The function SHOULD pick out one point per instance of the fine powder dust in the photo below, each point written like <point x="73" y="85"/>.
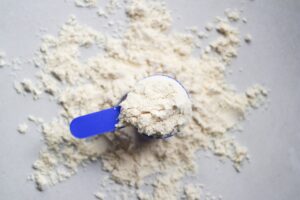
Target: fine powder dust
<point x="148" y="46"/>
<point x="157" y="106"/>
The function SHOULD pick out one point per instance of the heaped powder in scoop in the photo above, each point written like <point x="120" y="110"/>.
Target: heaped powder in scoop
<point x="156" y="106"/>
<point x="148" y="46"/>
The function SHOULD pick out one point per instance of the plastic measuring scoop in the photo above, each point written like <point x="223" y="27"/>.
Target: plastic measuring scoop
<point x="104" y="121"/>
<point x="95" y="123"/>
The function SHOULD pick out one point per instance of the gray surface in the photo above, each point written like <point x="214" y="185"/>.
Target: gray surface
<point x="272" y="136"/>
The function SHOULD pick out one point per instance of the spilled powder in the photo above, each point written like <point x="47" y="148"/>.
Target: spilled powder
<point x="147" y="47"/>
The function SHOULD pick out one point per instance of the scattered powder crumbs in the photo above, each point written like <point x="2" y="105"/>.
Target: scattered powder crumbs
<point x="2" y="59"/>
<point x="109" y="9"/>
<point x="233" y="15"/>
<point x="86" y="3"/>
<point x="110" y="23"/>
<point x="101" y="13"/>
<point x="22" y="128"/>
<point x="256" y="95"/>
<point x="193" y="29"/>
<point x="191" y="192"/>
<point x="31" y="118"/>
<point x="143" y="196"/>
<point x="27" y="86"/>
<point x="36" y="120"/>
<point x="112" y="6"/>
<point x="99" y="196"/>
<point x="201" y="35"/>
<point x="226" y="45"/>
<point x="209" y="27"/>
<point x="148" y="46"/>
<point x="197" y="192"/>
<point x="248" y="38"/>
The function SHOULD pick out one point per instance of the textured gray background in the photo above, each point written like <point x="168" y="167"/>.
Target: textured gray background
<point x="272" y="135"/>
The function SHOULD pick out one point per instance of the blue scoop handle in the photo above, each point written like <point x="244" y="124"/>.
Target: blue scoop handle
<point x="95" y="123"/>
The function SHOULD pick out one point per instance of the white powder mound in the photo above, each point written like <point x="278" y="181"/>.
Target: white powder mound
<point x="148" y="46"/>
<point x="156" y="106"/>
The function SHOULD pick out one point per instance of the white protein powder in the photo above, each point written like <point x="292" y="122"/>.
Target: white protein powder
<point x="157" y="106"/>
<point x="147" y="46"/>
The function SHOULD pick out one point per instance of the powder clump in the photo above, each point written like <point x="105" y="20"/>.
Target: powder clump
<point x="248" y="38"/>
<point x="23" y="128"/>
<point x="86" y="3"/>
<point x="233" y="15"/>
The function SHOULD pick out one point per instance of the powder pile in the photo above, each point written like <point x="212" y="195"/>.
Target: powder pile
<point x="157" y="106"/>
<point x="148" y="46"/>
